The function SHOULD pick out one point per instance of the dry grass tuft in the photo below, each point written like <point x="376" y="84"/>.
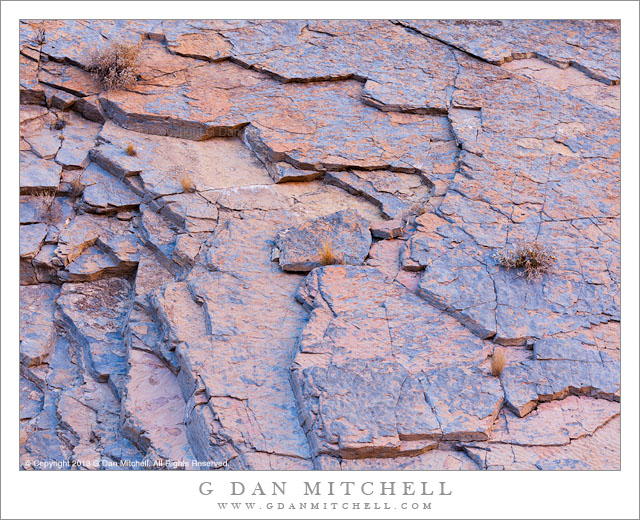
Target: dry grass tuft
<point x="48" y="209"/>
<point x="59" y="124"/>
<point x="497" y="361"/>
<point x="532" y="258"/>
<point x="76" y="187"/>
<point x="115" y="67"/>
<point x="414" y="211"/>
<point x="41" y="36"/>
<point x="131" y="150"/>
<point x="187" y="183"/>
<point x="328" y="255"/>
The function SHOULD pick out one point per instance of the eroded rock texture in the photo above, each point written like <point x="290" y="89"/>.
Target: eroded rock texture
<point x="278" y="249"/>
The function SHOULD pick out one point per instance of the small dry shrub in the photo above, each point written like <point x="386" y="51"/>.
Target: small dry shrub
<point x="48" y="209"/>
<point x="187" y="183"/>
<point x="413" y="211"/>
<point x="328" y="255"/>
<point x="115" y="67"/>
<point x="131" y="150"/>
<point x="77" y="187"/>
<point x="59" y="124"/>
<point x="497" y="361"/>
<point x="41" y="36"/>
<point x="532" y="258"/>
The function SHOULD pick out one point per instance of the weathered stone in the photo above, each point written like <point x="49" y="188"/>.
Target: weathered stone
<point x="590" y="451"/>
<point x="529" y="382"/>
<point x="430" y="460"/>
<point x="31" y="399"/>
<point x="45" y="143"/>
<point x="153" y="408"/>
<point x="240" y="130"/>
<point x="93" y="312"/>
<point x="30" y="210"/>
<point x="566" y="350"/>
<point x="45" y="270"/>
<point x="38" y="174"/>
<point x="305" y="142"/>
<point x="282" y="172"/>
<point x="191" y="211"/>
<point x="336" y="346"/>
<point x="86" y="230"/>
<point x="344" y="234"/>
<point x="92" y="264"/>
<point x="163" y="163"/>
<point x="355" y="405"/>
<point x="157" y="234"/>
<point x="556" y="422"/>
<point x="68" y="78"/>
<point x="251" y="404"/>
<point x="388" y="229"/>
<point x="31" y="92"/>
<point x="462" y="275"/>
<point x="465" y="401"/>
<point x="570" y="80"/>
<point x="31" y="238"/>
<point x="590" y="45"/>
<point x="37" y="328"/>
<point x="79" y="135"/>
<point x="103" y="193"/>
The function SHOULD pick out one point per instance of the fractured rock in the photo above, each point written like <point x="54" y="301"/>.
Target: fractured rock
<point x="94" y="313"/>
<point x="529" y="382"/>
<point x="38" y="174"/>
<point x="358" y="327"/>
<point x="103" y="193"/>
<point x="248" y="137"/>
<point x="31" y="238"/>
<point x="37" y="328"/>
<point x="465" y="402"/>
<point x="591" y="45"/>
<point x="345" y="234"/>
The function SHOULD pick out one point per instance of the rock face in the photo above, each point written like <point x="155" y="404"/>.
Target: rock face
<point x="343" y="237"/>
<point x="177" y="309"/>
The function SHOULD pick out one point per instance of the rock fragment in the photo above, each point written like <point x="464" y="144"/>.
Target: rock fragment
<point x="344" y="235"/>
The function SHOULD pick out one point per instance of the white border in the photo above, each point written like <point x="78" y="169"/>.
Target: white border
<point x="174" y="494"/>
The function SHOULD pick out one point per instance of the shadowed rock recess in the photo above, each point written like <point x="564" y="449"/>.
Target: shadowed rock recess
<point x="277" y="249"/>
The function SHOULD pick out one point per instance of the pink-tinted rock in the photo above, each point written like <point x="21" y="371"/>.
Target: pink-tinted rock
<point x="344" y="236"/>
<point x="590" y="45"/>
<point x="38" y="174"/>
<point x="176" y="334"/>
<point x="37" y="331"/>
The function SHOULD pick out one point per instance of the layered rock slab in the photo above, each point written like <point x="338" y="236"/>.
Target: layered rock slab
<point x="94" y="313"/>
<point x="343" y="236"/>
<point x="385" y="389"/>
<point x="591" y="45"/>
<point x="537" y="190"/>
<point x="519" y="172"/>
<point x="579" y="434"/>
<point x="37" y="328"/>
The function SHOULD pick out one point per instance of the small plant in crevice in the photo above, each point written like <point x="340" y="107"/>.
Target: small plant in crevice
<point x="412" y="212"/>
<point x="59" y="124"/>
<point x="40" y="37"/>
<point x="497" y="361"/>
<point x="328" y="255"/>
<point x="187" y="183"/>
<point x="131" y="150"/>
<point x="48" y="209"/>
<point x="76" y="187"/>
<point x="531" y="258"/>
<point x="115" y="67"/>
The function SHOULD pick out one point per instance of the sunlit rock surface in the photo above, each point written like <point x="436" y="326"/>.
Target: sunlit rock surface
<point x="175" y="306"/>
